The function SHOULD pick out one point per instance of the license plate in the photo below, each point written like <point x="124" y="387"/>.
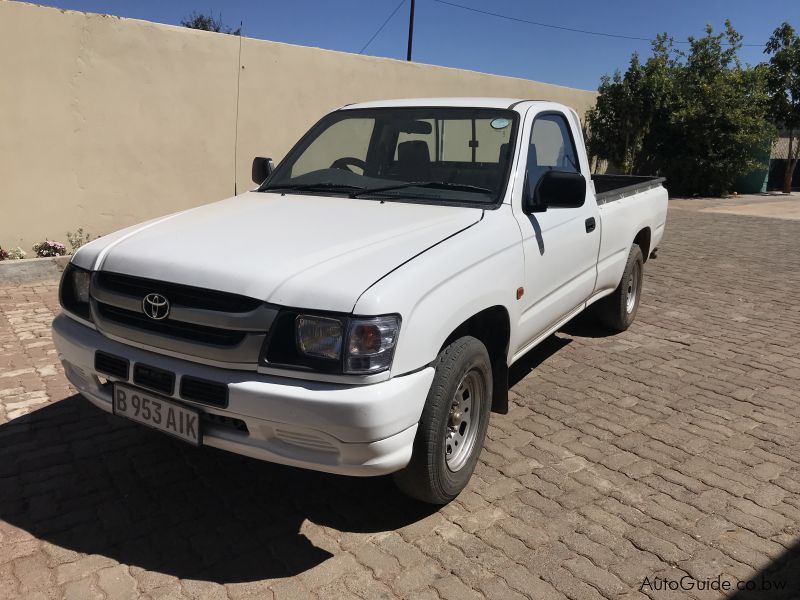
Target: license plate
<point x="157" y="412"/>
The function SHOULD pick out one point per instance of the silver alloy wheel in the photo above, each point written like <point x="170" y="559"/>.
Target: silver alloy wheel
<point x="633" y="287"/>
<point x="462" y="425"/>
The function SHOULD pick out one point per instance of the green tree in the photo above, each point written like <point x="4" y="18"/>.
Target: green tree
<point x="719" y="117"/>
<point x="209" y="23"/>
<point x="627" y="107"/>
<point x="783" y="84"/>
<point x="695" y="117"/>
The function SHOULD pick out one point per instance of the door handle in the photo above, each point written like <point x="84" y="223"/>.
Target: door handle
<point x="590" y="224"/>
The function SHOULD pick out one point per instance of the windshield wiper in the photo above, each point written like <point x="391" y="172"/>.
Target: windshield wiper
<point x="357" y="190"/>
<point x="311" y="187"/>
<point x="442" y="185"/>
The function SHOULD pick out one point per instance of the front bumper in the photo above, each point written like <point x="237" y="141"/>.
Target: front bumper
<point x="347" y="429"/>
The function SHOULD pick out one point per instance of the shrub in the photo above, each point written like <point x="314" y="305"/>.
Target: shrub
<point x="49" y="248"/>
<point x="77" y="239"/>
<point x="694" y="117"/>
<point x="209" y="23"/>
<point x="12" y="254"/>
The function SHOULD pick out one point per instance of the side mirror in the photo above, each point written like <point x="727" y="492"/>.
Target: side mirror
<point x="262" y="168"/>
<point x="555" y="189"/>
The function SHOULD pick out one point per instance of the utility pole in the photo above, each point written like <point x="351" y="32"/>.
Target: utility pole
<point x="410" y="31"/>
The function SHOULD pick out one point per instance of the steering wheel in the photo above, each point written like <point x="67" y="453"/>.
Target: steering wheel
<point x="345" y="162"/>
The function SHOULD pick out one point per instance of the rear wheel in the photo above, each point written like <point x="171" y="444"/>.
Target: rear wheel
<point x="453" y="424"/>
<point x="618" y="310"/>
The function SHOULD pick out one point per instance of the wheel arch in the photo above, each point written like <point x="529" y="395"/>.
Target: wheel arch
<point x="642" y="239"/>
<point x="492" y="326"/>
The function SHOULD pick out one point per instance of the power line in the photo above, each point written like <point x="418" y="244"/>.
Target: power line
<point x="389" y="18"/>
<point x="561" y="27"/>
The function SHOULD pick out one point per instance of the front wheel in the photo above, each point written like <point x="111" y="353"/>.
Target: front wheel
<point x="453" y="424"/>
<point x="618" y="310"/>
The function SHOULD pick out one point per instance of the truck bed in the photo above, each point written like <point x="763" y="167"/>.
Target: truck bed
<point x="613" y="187"/>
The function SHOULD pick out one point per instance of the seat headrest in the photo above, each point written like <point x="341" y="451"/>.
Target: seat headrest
<point x="415" y="151"/>
<point x="413" y="161"/>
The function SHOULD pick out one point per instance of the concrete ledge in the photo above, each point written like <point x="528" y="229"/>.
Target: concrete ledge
<point x="32" y="270"/>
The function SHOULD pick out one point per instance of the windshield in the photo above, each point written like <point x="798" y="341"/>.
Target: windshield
<point x="437" y="154"/>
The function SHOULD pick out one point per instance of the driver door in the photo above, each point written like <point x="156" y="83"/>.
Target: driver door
<point x="560" y="244"/>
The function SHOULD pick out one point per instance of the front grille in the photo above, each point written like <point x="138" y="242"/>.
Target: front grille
<point x="154" y="378"/>
<point x="111" y="365"/>
<point x="183" y="295"/>
<point x="206" y="324"/>
<point x="204" y="391"/>
<point x="178" y="329"/>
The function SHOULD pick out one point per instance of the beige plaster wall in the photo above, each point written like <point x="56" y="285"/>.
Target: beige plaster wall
<point x="105" y="122"/>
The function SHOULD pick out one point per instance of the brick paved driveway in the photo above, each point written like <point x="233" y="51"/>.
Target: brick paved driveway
<point x="670" y="450"/>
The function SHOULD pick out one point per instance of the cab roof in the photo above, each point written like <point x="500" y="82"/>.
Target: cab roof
<point x="466" y="102"/>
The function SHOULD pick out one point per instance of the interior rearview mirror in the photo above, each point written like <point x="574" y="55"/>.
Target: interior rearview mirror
<point x="419" y="127"/>
<point x="262" y="168"/>
<point x="555" y="189"/>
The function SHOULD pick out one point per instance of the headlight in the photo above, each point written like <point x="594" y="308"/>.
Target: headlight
<point x="74" y="291"/>
<point x="319" y="337"/>
<point x="359" y="346"/>
<point x="370" y="344"/>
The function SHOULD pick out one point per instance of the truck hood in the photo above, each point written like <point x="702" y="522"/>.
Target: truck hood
<point x="293" y="250"/>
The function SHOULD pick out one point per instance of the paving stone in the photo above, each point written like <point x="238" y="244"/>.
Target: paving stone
<point x="416" y="578"/>
<point x="339" y="589"/>
<point x="82" y="589"/>
<point x="290" y="590"/>
<point x="452" y="588"/>
<point x="11" y="550"/>
<point x="249" y="590"/>
<point x="595" y="576"/>
<point x="81" y="568"/>
<point x="364" y="585"/>
<point x="117" y="582"/>
<point x="33" y="572"/>
<point x="329" y="570"/>
<point x="9" y="584"/>
<point x="198" y="590"/>
<point x="406" y="554"/>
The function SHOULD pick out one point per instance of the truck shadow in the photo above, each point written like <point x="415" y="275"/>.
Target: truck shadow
<point x="534" y="357"/>
<point x="778" y="580"/>
<point x="586" y="325"/>
<point x="583" y="325"/>
<point x="87" y="481"/>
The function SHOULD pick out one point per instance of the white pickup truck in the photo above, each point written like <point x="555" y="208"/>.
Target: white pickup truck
<point x="357" y="313"/>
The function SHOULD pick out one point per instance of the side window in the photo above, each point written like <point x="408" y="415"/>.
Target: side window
<point x="551" y="148"/>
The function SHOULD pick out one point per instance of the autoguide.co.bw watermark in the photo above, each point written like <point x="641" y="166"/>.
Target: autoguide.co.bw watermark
<point x="688" y="583"/>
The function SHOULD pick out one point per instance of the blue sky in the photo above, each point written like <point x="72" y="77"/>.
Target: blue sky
<point x="453" y="37"/>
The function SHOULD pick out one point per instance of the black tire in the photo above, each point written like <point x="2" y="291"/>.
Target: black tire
<point x="462" y="365"/>
<point x="614" y="311"/>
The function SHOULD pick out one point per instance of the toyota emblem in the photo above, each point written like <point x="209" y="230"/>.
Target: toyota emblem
<point x="155" y="306"/>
